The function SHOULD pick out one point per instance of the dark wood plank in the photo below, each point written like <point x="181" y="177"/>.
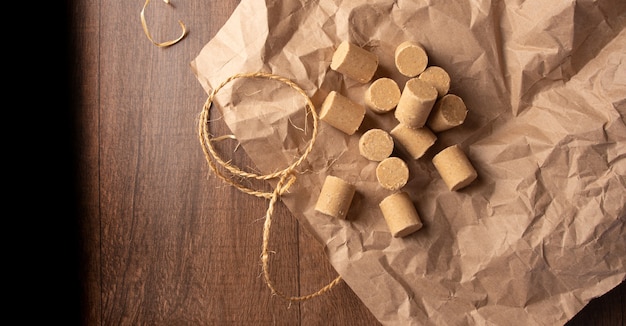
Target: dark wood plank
<point x="163" y="242"/>
<point x="178" y="247"/>
<point x="84" y="89"/>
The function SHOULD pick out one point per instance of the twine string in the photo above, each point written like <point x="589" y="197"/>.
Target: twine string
<point x="265" y="254"/>
<point x="144" y="24"/>
<point x="286" y="177"/>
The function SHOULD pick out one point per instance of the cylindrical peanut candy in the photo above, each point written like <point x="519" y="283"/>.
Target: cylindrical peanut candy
<point x="438" y="78"/>
<point x="392" y="173"/>
<point x="382" y="95"/>
<point x="375" y="145"/>
<point x="415" y="103"/>
<point x="342" y="113"/>
<point x="400" y="214"/>
<point x="455" y="168"/>
<point x="335" y="197"/>
<point x="411" y="59"/>
<point x="448" y="112"/>
<point x="415" y="141"/>
<point x="354" y="62"/>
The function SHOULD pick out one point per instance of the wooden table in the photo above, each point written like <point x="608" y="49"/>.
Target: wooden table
<point x="161" y="241"/>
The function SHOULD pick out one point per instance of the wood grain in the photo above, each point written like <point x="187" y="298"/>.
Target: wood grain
<point x="162" y="241"/>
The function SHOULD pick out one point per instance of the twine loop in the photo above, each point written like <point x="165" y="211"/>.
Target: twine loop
<point x="144" y="24"/>
<point x="286" y="177"/>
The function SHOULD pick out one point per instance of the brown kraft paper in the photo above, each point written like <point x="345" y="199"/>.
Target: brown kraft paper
<point x="537" y="235"/>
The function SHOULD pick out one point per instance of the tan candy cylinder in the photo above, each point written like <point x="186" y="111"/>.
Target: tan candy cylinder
<point x="448" y="112"/>
<point x="438" y="78"/>
<point x="341" y="113"/>
<point x="382" y="95"/>
<point x="416" y="102"/>
<point x="411" y="59"/>
<point x="354" y="62"/>
<point x="335" y="197"/>
<point x="400" y="214"/>
<point x="376" y="145"/>
<point x="454" y="167"/>
<point x="415" y="141"/>
<point x="392" y="173"/>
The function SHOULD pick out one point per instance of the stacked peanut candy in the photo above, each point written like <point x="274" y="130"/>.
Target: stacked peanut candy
<point x="424" y="107"/>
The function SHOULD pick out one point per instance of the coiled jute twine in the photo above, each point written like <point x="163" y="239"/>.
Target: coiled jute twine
<point x="286" y="177"/>
<point x="144" y="24"/>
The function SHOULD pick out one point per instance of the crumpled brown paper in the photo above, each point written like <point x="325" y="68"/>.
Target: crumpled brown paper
<point x="539" y="234"/>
